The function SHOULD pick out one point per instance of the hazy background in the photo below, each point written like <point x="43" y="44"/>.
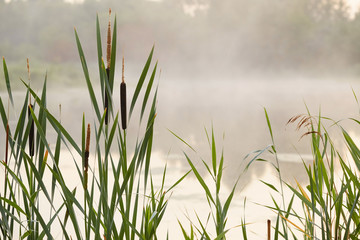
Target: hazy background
<point x="195" y="39"/>
<point x="221" y="62"/>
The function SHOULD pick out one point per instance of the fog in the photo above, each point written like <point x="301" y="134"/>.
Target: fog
<point x="222" y="63"/>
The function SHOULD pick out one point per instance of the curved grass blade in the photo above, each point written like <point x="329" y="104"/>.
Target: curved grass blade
<point x="87" y="77"/>
<point x="113" y="56"/>
<point x="100" y="56"/>
<point x="200" y="179"/>
<point x="141" y="82"/>
<point x="7" y="80"/>
<point x="148" y="90"/>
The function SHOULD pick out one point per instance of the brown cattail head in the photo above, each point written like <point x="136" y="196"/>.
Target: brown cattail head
<point x="31" y="133"/>
<point x="123" y="99"/>
<point x="28" y="69"/>
<point x="123" y="69"/>
<point x="108" y="49"/>
<point x="86" y="156"/>
<point x="108" y="57"/>
<point x="268" y="229"/>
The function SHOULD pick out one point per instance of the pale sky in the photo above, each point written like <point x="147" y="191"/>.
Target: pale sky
<point x="354" y="6"/>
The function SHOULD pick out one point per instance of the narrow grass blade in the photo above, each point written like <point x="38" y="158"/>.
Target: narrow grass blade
<point x="7" y="80"/>
<point x="141" y="82"/>
<point x="87" y="77"/>
<point x="148" y="90"/>
<point x="200" y="179"/>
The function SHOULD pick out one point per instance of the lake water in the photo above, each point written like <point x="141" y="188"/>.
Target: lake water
<point x="235" y="110"/>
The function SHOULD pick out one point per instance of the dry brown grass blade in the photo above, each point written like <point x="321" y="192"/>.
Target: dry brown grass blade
<point x="311" y="132"/>
<point x="293" y="119"/>
<point x="296" y="226"/>
<point x="302" y="119"/>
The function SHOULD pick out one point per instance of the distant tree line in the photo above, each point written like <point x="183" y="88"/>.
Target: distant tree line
<point x="258" y="35"/>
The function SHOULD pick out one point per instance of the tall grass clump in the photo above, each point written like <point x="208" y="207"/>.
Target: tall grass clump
<point x="218" y="209"/>
<point x="118" y="199"/>
<point x="330" y="199"/>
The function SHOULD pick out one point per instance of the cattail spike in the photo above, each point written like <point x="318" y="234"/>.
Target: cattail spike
<point x="31" y="133"/>
<point x="86" y="156"/>
<point x="87" y="145"/>
<point x="123" y="99"/>
<point x="108" y="50"/>
<point x="123" y="67"/>
<point x="268" y="229"/>
<point x="106" y="100"/>
<point x="28" y="69"/>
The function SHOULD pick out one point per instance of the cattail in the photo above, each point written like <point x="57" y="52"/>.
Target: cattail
<point x="123" y="98"/>
<point x="31" y="133"/>
<point x="268" y="229"/>
<point x="108" y="57"/>
<point x="108" y="49"/>
<point x="86" y="156"/>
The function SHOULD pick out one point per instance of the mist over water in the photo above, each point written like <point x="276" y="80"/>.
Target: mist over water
<point x="222" y="63"/>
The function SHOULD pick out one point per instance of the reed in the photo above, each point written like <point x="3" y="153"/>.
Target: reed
<point x="86" y="157"/>
<point x="120" y="199"/>
<point x="108" y="60"/>
<point x="218" y="210"/>
<point x="119" y="193"/>
<point x="123" y="98"/>
<point x="330" y="199"/>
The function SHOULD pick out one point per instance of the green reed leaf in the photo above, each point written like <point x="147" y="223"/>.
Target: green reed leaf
<point x="7" y="80"/>
<point x="148" y="90"/>
<point x="141" y="82"/>
<point x="200" y="179"/>
<point x="87" y="77"/>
